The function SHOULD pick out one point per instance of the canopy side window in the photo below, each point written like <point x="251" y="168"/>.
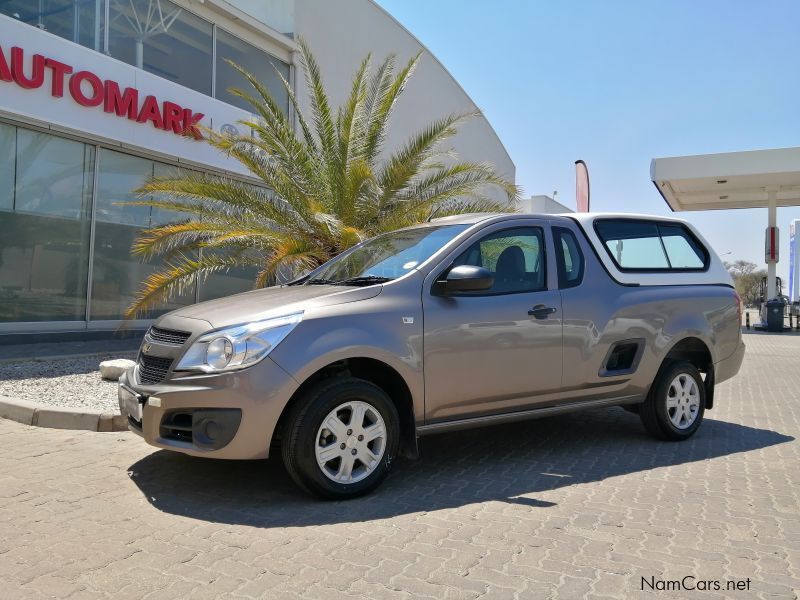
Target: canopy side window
<point x="643" y="245"/>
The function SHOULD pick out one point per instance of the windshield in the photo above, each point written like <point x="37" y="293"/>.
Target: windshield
<point x="387" y="256"/>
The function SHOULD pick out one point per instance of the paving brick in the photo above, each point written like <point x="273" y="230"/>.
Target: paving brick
<point x="580" y="505"/>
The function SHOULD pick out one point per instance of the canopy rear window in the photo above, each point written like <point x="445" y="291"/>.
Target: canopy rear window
<point x="640" y="245"/>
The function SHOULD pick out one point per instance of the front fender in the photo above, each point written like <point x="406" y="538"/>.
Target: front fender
<point x="378" y="331"/>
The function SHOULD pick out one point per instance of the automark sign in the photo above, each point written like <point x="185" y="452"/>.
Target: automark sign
<point x="88" y="89"/>
<point x="75" y="90"/>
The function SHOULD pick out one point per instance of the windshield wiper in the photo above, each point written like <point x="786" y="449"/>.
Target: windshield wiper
<point x="319" y="281"/>
<point x="364" y="280"/>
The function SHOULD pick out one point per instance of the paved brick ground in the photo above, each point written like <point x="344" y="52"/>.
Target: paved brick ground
<point x="575" y="506"/>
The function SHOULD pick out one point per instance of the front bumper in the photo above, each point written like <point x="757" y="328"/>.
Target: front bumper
<point x="231" y="415"/>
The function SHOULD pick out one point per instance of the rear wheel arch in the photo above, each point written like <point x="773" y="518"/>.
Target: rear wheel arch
<point x="376" y="372"/>
<point x="694" y="350"/>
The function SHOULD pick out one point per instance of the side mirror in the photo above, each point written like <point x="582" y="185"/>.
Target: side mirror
<point x="467" y="278"/>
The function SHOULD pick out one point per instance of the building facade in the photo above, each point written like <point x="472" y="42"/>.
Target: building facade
<point x="543" y="204"/>
<point x="98" y="95"/>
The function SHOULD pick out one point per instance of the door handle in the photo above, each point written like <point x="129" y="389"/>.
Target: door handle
<point x="540" y="311"/>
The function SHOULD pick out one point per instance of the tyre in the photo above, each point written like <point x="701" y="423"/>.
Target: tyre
<point x="341" y="438"/>
<point x="675" y="405"/>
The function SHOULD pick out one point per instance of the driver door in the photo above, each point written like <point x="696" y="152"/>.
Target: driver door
<point x="494" y="351"/>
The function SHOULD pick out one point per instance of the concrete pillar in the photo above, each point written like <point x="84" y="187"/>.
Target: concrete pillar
<point x="140" y="53"/>
<point x="772" y="218"/>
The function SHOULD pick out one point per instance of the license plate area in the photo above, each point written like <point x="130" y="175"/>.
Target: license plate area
<point x="130" y="402"/>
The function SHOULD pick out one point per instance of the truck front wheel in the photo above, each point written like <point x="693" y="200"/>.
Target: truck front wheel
<point x="341" y="438"/>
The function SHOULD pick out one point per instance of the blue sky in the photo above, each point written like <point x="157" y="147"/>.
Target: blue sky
<point x="617" y="83"/>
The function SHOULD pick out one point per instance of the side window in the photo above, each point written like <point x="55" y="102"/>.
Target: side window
<point x="649" y="245"/>
<point x="569" y="258"/>
<point x="633" y="244"/>
<point x="514" y="256"/>
<point x="683" y="252"/>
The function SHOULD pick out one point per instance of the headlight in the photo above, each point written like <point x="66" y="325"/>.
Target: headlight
<point x="237" y="347"/>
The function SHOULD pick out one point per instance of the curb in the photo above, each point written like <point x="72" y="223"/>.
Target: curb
<point x="53" y="417"/>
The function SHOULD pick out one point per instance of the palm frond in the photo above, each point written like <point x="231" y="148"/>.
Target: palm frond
<point x="175" y="278"/>
<point x="180" y="237"/>
<point x="386" y="95"/>
<point x="325" y="183"/>
<point x="308" y="136"/>
<point x="225" y="195"/>
<point x="290" y="256"/>
<point x="405" y="164"/>
<point x="320" y="107"/>
<point x="453" y="181"/>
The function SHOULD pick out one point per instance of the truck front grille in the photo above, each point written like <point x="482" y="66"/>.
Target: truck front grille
<point x="168" y="336"/>
<point x="153" y="369"/>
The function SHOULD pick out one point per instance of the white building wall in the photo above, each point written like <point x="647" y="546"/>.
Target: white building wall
<point x="342" y="33"/>
<point x="543" y="204"/>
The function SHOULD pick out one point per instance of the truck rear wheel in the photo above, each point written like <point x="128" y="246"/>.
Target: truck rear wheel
<point x="675" y="405"/>
<point x="341" y="438"/>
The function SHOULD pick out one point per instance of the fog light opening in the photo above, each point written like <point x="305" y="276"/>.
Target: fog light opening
<point x="211" y="429"/>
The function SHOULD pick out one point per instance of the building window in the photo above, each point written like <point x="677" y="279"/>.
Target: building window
<point x="226" y="283"/>
<point x="159" y="37"/>
<point x="266" y="69"/>
<point x="46" y="197"/>
<point x="116" y="274"/>
<point x="44" y="226"/>
<point x="79" y="21"/>
<point x="8" y="154"/>
<point x="164" y="39"/>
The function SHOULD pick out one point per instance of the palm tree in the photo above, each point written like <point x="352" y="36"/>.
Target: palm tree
<point x="324" y="187"/>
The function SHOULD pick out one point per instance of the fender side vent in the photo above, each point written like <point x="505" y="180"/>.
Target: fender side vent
<point x="623" y="358"/>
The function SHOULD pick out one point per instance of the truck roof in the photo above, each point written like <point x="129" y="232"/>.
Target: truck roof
<point x="714" y="273"/>
<point x="472" y="218"/>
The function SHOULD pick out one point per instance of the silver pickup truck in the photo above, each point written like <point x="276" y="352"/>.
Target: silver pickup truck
<point x="461" y="322"/>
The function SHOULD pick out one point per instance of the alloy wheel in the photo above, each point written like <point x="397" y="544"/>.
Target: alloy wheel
<point x="350" y="442"/>
<point x="683" y="401"/>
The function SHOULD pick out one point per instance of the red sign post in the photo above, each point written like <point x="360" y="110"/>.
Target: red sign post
<point x="771" y="240"/>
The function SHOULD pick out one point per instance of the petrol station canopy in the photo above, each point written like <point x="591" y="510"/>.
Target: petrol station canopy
<point x="750" y="179"/>
<point x="729" y="180"/>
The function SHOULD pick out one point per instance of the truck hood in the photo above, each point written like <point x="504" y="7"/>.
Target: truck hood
<point x="273" y="301"/>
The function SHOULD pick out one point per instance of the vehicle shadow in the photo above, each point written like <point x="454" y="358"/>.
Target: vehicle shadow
<point x="507" y="463"/>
